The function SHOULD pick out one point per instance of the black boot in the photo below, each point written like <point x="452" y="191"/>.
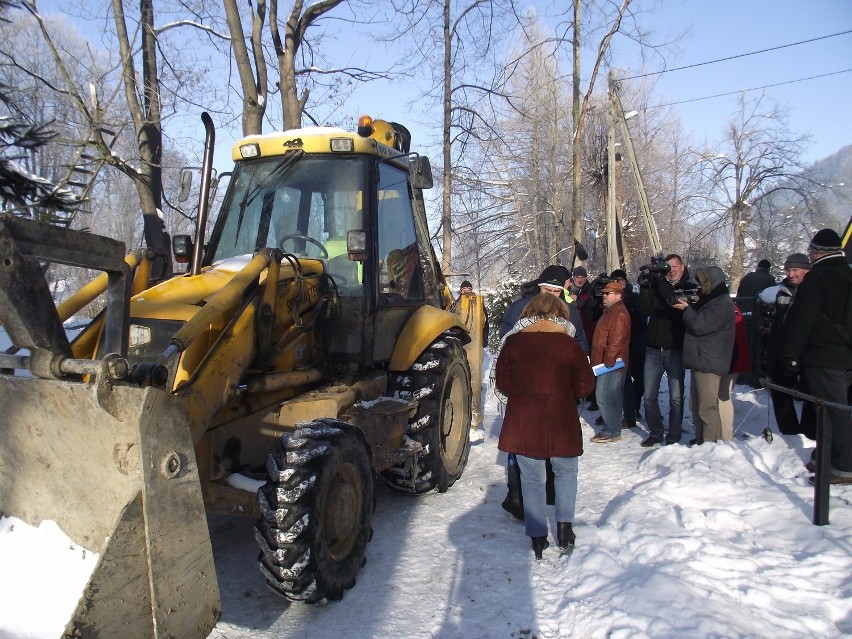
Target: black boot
<point x="514" y="505"/>
<point x="565" y="536"/>
<point x="538" y="545"/>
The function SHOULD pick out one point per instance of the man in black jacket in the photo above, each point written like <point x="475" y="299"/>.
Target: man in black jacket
<point x="796" y="266"/>
<point x="756" y="281"/>
<point x="558" y="275"/>
<point x="817" y="341"/>
<point x="664" y="345"/>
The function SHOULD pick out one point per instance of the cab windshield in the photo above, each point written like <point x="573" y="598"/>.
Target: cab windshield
<point x="300" y="203"/>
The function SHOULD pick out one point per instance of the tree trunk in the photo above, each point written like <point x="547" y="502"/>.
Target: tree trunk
<point x="149" y="135"/>
<point x="738" y="228"/>
<point x="254" y="90"/>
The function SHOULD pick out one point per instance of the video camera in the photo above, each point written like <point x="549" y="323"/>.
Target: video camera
<point x="657" y="269"/>
<point x="683" y="292"/>
<point x="658" y="265"/>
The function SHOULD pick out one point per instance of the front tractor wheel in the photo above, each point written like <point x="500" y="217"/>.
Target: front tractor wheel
<point x="317" y="512"/>
<point x="440" y="382"/>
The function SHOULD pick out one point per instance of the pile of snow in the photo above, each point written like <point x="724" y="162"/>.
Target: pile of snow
<point x="43" y="576"/>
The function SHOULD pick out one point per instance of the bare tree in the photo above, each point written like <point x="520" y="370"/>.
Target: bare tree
<point x="289" y="44"/>
<point x="758" y="157"/>
<point x="62" y="74"/>
<point x="581" y="104"/>
<point x="251" y="69"/>
<point x="457" y="47"/>
<point x="24" y="134"/>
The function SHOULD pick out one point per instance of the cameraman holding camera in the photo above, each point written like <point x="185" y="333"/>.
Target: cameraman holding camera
<point x="707" y="350"/>
<point x="661" y="283"/>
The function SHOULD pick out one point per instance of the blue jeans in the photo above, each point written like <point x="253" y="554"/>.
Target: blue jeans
<point x="533" y="477"/>
<point x="609" y="393"/>
<point x="658" y="361"/>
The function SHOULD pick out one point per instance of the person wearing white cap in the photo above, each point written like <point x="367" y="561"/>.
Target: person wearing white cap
<point x="552" y="281"/>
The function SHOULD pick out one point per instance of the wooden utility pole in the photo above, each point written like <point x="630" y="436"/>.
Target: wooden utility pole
<point x="612" y="261"/>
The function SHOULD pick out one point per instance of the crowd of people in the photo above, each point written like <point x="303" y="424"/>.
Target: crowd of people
<point x="567" y="341"/>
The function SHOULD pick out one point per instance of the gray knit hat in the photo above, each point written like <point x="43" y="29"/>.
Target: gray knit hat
<point x="797" y="260"/>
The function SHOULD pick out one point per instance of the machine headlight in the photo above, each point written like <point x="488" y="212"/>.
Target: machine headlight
<point x="342" y="145"/>
<point x="248" y="151"/>
<point x="139" y="335"/>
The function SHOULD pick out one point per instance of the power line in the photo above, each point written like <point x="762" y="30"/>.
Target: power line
<point x="734" y="57"/>
<point x="767" y="86"/>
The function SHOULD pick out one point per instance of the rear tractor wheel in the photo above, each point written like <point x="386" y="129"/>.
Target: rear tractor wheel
<point x="440" y="382"/>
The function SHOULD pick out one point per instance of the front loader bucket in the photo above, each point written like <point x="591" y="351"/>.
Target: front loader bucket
<point x="114" y="467"/>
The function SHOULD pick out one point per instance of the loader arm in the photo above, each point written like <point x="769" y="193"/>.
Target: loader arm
<point x="111" y="463"/>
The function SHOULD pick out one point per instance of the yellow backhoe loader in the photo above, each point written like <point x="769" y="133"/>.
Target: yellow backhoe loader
<point x="308" y="345"/>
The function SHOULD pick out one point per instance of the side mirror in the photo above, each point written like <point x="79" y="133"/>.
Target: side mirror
<point x="185" y="185"/>
<point x="356" y="245"/>
<point x="182" y="247"/>
<point x="420" y="171"/>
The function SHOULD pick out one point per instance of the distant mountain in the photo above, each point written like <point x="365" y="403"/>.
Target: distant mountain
<point x="835" y="172"/>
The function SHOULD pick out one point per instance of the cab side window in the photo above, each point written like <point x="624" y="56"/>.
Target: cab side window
<point x="399" y="266"/>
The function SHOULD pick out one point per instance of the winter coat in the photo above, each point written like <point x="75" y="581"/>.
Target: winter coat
<point x="783" y="300"/>
<point x="542" y="371"/>
<point x="513" y="313"/>
<point x="665" y="324"/>
<point x="638" y="322"/>
<point x="585" y="304"/>
<point x="710" y="328"/>
<point x="612" y="336"/>
<point x="810" y="336"/>
<point x="755" y="282"/>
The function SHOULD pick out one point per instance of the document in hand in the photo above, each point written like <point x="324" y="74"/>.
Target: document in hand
<point x="600" y="369"/>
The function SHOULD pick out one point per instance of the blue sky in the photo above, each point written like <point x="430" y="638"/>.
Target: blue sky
<point x="713" y="29"/>
<point x="725" y="28"/>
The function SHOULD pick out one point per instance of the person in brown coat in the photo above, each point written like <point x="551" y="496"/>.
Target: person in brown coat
<point x="542" y="371"/>
<point x="610" y="343"/>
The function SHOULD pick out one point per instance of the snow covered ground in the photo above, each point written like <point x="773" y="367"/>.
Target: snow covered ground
<point x="675" y="542"/>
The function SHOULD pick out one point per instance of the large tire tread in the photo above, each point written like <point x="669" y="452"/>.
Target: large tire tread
<point x="304" y="557"/>
<point x="438" y="371"/>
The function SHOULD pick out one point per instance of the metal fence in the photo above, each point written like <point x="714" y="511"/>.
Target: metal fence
<point x="823" y="449"/>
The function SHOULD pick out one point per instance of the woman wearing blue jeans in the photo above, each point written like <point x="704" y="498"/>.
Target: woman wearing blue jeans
<point x="542" y="371"/>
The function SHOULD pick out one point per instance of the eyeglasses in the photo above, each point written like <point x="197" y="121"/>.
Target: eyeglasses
<point x="610" y="293"/>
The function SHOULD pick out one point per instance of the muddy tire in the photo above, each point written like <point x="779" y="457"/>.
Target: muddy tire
<point x="440" y="381"/>
<point x="317" y="512"/>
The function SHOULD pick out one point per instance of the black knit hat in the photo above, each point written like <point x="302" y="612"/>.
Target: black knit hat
<point x="465" y="284"/>
<point x="618" y="274"/>
<point x="764" y="264"/>
<point x="797" y="260"/>
<point x="825" y="241"/>
<point x="553" y="273"/>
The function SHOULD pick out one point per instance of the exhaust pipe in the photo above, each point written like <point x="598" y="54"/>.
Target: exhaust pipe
<point x="204" y="196"/>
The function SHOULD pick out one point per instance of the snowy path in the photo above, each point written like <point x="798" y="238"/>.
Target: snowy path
<point x="713" y="541"/>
